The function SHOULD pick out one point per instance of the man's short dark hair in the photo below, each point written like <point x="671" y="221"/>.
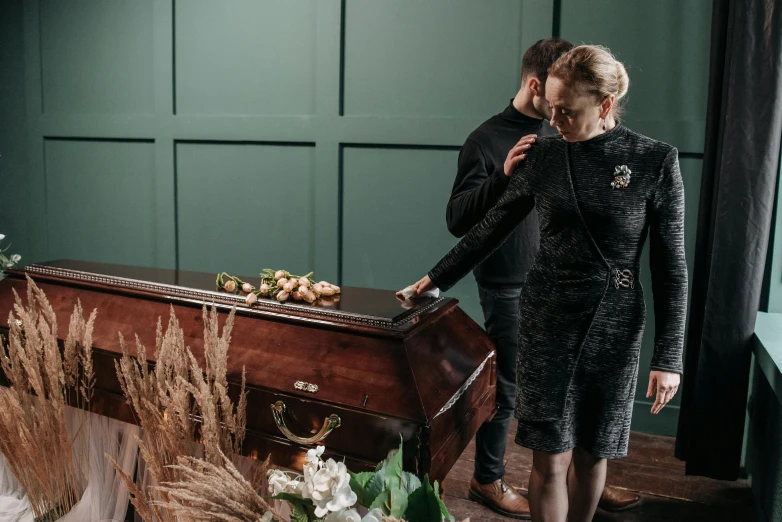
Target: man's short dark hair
<point x="541" y="56"/>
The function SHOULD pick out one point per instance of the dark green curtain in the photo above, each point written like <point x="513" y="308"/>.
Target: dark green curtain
<point x="741" y="159"/>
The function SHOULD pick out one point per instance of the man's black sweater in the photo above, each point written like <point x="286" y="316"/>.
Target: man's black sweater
<point x="480" y="181"/>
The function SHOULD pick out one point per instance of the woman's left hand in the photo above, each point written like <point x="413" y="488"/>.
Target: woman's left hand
<point x="665" y="384"/>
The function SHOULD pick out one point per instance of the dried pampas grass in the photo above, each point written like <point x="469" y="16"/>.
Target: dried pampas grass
<point x="167" y="401"/>
<point x="215" y="491"/>
<point x="50" y="463"/>
<point x="163" y="409"/>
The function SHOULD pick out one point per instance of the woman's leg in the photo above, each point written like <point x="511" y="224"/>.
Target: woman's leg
<point x="586" y="479"/>
<point x="548" y="490"/>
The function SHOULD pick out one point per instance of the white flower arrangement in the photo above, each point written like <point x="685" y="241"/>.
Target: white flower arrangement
<point x="327" y="492"/>
<point x="7" y="261"/>
<point x="326" y="484"/>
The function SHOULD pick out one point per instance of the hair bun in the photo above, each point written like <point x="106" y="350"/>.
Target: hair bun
<point x="622" y="80"/>
<point x="594" y="70"/>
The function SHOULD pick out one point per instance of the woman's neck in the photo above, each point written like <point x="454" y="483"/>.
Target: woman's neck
<point x="610" y="123"/>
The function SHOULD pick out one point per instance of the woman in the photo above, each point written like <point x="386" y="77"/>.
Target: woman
<point x="599" y="189"/>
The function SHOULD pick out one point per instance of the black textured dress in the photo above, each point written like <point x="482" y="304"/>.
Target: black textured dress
<point x="582" y="310"/>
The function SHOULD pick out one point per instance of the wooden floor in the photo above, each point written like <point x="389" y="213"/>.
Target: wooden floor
<point x="649" y="469"/>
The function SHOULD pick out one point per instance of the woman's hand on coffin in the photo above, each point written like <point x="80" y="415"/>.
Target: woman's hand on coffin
<point x="518" y="153"/>
<point x="415" y="290"/>
<point x="665" y="385"/>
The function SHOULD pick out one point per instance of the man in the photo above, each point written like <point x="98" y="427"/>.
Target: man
<point x="486" y="162"/>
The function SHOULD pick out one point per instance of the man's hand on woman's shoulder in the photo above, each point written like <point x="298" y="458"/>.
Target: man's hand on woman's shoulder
<point x="518" y="153"/>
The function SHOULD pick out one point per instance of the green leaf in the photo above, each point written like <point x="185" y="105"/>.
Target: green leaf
<point x="358" y="483"/>
<point x="362" y="478"/>
<point x="393" y="478"/>
<point x="410" y="482"/>
<point x="299" y="515"/>
<point x="303" y="506"/>
<point x="443" y="509"/>
<point x="376" y="484"/>
<point x="424" y="504"/>
<point x="392" y="502"/>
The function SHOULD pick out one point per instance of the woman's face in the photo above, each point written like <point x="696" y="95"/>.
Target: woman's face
<point x="575" y="115"/>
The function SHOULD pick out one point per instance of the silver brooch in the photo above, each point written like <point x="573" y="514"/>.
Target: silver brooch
<point x="621" y="177"/>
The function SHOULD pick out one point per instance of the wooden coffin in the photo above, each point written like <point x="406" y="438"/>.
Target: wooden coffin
<point x="425" y="372"/>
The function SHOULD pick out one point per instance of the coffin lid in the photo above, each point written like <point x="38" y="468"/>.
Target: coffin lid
<point x="362" y="350"/>
<point x="355" y="305"/>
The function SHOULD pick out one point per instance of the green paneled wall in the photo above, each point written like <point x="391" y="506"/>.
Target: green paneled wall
<point x="240" y="57"/>
<point x="231" y="198"/>
<point x="99" y="200"/>
<point x="400" y="190"/>
<point x="436" y="59"/>
<point x="664" y="45"/>
<point x="14" y="186"/>
<point x="317" y="134"/>
<point x="96" y="57"/>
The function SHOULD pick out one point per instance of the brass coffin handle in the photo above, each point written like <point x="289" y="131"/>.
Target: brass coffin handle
<point x="329" y="423"/>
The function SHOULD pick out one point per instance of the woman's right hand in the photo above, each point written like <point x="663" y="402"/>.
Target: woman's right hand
<point x="420" y="287"/>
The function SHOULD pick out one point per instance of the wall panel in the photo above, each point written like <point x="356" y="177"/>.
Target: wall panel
<point x="100" y="203"/>
<point x="96" y="57"/>
<point x="245" y="207"/>
<point x="665" y="47"/>
<point x="245" y="57"/>
<point x="394" y="218"/>
<point x="435" y="58"/>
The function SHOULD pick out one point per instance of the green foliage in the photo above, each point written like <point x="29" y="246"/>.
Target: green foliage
<point x="410" y="482"/>
<point x="423" y="504"/>
<point x="399" y="493"/>
<point x="358" y="483"/>
<point x="443" y="510"/>
<point x="393" y="475"/>
<point x="303" y="510"/>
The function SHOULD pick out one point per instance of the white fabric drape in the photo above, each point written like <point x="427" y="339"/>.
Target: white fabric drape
<point x="105" y="499"/>
<point x="13" y="501"/>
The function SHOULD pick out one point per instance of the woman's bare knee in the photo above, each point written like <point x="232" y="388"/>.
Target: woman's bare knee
<point x="552" y="467"/>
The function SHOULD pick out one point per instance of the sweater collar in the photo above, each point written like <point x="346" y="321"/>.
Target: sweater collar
<point x="512" y="114"/>
<point x="606" y="137"/>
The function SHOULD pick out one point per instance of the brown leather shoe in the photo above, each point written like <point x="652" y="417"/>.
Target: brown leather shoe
<point x="615" y="500"/>
<point x="500" y="497"/>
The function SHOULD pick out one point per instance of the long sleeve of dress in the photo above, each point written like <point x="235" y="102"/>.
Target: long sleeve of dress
<point x="476" y="190"/>
<point x="668" y="267"/>
<point x="488" y="235"/>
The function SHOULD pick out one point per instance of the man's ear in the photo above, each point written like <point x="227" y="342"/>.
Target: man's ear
<point x="534" y="85"/>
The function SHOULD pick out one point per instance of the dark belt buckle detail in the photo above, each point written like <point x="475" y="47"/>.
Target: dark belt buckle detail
<point x="623" y="278"/>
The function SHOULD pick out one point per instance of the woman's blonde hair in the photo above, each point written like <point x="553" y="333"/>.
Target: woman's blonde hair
<point x="593" y="69"/>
